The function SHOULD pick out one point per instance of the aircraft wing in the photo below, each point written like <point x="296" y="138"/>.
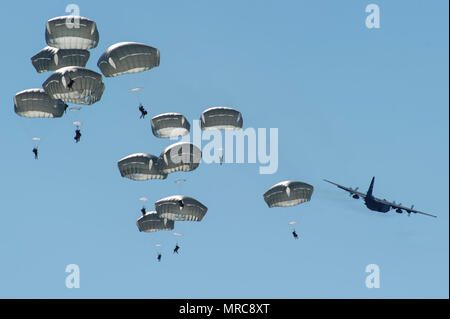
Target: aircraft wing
<point x="406" y="209"/>
<point x="347" y="189"/>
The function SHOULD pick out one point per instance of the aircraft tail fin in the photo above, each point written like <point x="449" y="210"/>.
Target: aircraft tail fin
<point x="370" y="190"/>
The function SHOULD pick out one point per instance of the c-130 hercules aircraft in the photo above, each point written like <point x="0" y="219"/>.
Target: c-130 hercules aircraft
<point x="376" y="204"/>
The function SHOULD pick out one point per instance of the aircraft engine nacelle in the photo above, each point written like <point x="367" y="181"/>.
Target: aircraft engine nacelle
<point x="355" y="196"/>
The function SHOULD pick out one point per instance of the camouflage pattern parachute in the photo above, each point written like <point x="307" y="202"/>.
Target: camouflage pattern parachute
<point x="141" y="167"/>
<point x="71" y="32"/>
<point x="128" y="57"/>
<point x="288" y="193"/>
<point x="221" y="118"/>
<point x="51" y="59"/>
<point x="75" y="85"/>
<point x="180" y="156"/>
<point x="180" y="208"/>
<point x="169" y="125"/>
<point x="151" y="222"/>
<point x="35" y="103"/>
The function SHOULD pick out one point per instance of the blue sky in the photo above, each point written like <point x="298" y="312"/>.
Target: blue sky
<point x="349" y="103"/>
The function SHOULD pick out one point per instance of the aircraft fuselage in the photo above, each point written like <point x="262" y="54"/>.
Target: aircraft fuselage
<point x="375" y="205"/>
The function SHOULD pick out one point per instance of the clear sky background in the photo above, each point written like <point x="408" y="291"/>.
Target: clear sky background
<point x="349" y="102"/>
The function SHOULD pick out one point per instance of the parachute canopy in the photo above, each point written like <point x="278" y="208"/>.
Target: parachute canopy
<point x="128" y="57"/>
<point x="51" y="59"/>
<point x="140" y="167"/>
<point x="180" y="156"/>
<point x="37" y="103"/>
<point x="221" y="118"/>
<point x="170" y="125"/>
<point x="71" y="32"/>
<point x="151" y="222"/>
<point x="288" y="193"/>
<point x="183" y="208"/>
<point x="77" y="123"/>
<point x="74" y="84"/>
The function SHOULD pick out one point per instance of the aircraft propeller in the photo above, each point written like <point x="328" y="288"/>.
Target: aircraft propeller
<point x="409" y="211"/>
<point x="355" y="196"/>
<point x="397" y="210"/>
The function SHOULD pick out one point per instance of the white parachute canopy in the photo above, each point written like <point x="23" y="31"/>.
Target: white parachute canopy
<point x="292" y="223"/>
<point x="157" y="245"/>
<point x="179" y="181"/>
<point x="178" y="234"/>
<point x="135" y="89"/>
<point x="75" y="108"/>
<point x="77" y="123"/>
<point x="143" y="199"/>
<point x="36" y="138"/>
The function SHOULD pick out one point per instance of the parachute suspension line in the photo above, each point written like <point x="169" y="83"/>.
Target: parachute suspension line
<point x="136" y="90"/>
<point x="294" y="222"/>
<point x="139" y="97"/>
<point x="77" y="115"/>
<point x="25" y="129"/>
<point x="34" y="134"/>
<point x="179" y="236"/>
<point x="36" y="146"/>
<point x="180" y="183"/>
<point x="221" y="155"/>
